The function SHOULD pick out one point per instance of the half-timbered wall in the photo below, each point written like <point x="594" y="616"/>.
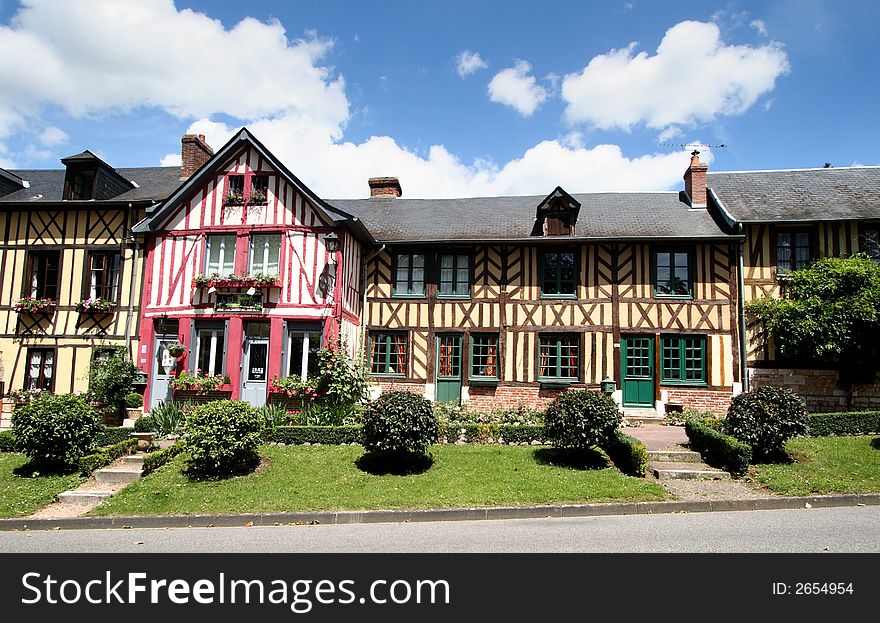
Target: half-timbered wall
<point x="73" y="231"/>
<point x="615" y="296"/>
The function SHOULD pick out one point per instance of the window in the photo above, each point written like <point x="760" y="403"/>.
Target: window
<point x="558" y="357"/>
<point x="259" y="189"/>
<point x="388" y="353"/>
<point x="303" y="345"/>
<point x="43" y="272"/>
<point x="40" y="373"/>
<point x="265" y="249"/>
<point x="484" y="356"/>
<point x="220" y="254"/>
<point x="793" y="250"/>
<point x="455" y="275"/>
<point x="672" y="276"/>
<point x="210" y="350"/>
<point x="103" y="277"/>
<point x="870" y="240"/>
<point x="683" y="359"/>
<point x="559" y="271"/>
<point x="236" y="184"/>
<point x="81" y="185"/>
<point x="104" y="352"/>
<point x="409" y="274"/>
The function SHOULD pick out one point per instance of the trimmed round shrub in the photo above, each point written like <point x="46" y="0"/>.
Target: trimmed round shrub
<point x="222" y="438"/>
<point x="399" y="423"/>
<point x="134" y="400"/>
<point x="145" y="424"/>
<point x="579" y="419"/>
<point x="55" y="430"/>
<point x="765" y="418"/>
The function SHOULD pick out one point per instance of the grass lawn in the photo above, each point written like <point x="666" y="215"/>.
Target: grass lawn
<point x="301" y="478"/>
<point x="21" y="494"/>
<point x="825" y="465"/>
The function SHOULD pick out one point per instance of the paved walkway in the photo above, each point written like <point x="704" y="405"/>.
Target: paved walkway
<point x="658" y="437"/>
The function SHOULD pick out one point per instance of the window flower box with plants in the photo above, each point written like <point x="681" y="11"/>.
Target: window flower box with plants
<point x="31" y="305"/>
<point x="21" y="397"/>
<point x="233" y="199"/>
<point x="200" y="383"/>
<point x="258" y="197"/>
<point x="295" y="387"/>
<point x="257" y="280"/>
<point x="95" y="306"/>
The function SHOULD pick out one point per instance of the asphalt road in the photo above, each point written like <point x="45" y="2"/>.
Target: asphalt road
<point x="847" y="529"/>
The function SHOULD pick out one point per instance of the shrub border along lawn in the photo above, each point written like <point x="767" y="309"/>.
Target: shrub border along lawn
<point x="628" y="453"/>
<point x="7" y="441"/>
<point x="155" y="460"/>
<point x="717" y="449"/>
<point x="99" y="459"/>
<point x="845" y="423"/>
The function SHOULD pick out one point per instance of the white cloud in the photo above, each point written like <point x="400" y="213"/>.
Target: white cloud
<point x="669" y="133"/>
<point x="468" y="62"/>
<point x="52" y="136"/>
<point x="515" y="87"/>
<point x="760" y="26"/>
<point x="694" y="77"/>
<point x="171" y="160"/>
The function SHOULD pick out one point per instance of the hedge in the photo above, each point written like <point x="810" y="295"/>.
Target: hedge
<point x="109" y="435"/>
<point x="324" y="435"/>
<point x="99" y="459"/>
<point x="482" y="433"/>
<point x="717" y="449"/>
<point x="7" y="441"/>
<point x="155" y="460"/>
<point x="628" y="453"/>
<point x="852" y="423"/>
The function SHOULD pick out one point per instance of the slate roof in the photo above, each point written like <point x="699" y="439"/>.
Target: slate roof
<point x="154" y="183"/>
<point x="800" y="194"/>
<point x="612" y="216"/>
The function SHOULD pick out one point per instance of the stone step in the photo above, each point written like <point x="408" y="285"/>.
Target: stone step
<point x="138" y="460"/>
<point x="686" y="471"/>
<point x="674" y="456"/>
<point x="115" y="475"/>
<point x="83" y="497"/>
<point x="642" y="416"/>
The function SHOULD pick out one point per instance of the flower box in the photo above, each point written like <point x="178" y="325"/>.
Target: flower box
<point x="30" y="305"/>
<point x="96" y="306"/>
<point x="237" y="281"/>
<point x="233" y="199"/>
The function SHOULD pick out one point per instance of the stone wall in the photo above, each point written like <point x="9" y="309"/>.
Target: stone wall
<point x="6" y="413"/>
<point x="818" y="388"/>
<point x="510" y="397"/>
<point x="702" y="400"/>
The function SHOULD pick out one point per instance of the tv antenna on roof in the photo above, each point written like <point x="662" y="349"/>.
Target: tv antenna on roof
<point x="695" y="146"/>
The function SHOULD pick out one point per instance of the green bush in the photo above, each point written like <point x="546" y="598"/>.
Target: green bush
<point x="580" y="419"/>
<point x="109" y="435"/>
<point x="324" y="435"/>
<point x="272" y="415"/>
<point x="628" y="453"/>
<point x="717" y="449"/>
<point x="155" y="460"/>
<point x="449" y="412"/>
<point x="145" y="424"/>
<point x="765" y="418"/>
<point x="134" y="400"/>
<point x="222" y="438"/>
<point x="90" y="462"/>
<point x="852" y="423"/>
<point x="399" y="423"/>
<point x="55" y="430"/>
<point x="481" y="433"/>
<point x="170" y="417"/>
<point x="111" y="379"/>
<point x="7" y="441"/>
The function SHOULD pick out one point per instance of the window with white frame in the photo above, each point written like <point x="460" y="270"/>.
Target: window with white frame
<point x="303" y="345"/>
<point x="209" y="350"/>
<point x="220" y="254"/>
<point x="103" y="275"/>
<point x="40" y="371"/>
<point x="265" y="250"/>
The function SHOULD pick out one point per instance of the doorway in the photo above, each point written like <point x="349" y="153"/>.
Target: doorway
<point x="637" y="357"/>
<point x="448" y="367"/>
<point x="255" y="363"/>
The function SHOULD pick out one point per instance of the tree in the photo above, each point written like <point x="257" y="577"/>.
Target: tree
<point x="831" y="314"/>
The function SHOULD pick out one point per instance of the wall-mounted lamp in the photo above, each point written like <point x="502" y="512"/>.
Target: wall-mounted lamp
<point x="251" y="291"/>
<point x="211" y="290"/>
<point x="331" y="242"/>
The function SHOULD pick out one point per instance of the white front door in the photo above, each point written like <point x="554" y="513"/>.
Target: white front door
<point x="255" y="374"/>
<point x="163" y="370"/>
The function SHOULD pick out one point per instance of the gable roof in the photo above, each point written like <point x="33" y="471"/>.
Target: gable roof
<point x="800" y="194"/>
<point x="154" y="220"/>
<point x="603" y="216"/>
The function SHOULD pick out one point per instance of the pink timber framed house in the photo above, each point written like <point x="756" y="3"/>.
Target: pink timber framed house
<point x="248" y="270"/>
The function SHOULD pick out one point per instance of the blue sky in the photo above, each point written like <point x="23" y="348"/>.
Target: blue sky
<point x="571" y="93"/>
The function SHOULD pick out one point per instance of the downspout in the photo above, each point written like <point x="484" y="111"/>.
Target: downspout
<point x="131" y="288"/>
<point x="741" y="288"/>
<point x="364" y="303"/>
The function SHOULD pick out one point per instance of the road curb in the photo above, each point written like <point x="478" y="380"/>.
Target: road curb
<point x="441" y="514"/>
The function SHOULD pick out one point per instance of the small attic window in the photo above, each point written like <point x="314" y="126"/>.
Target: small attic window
<point x="556" y="215"/>
<point x="81" y="184"/>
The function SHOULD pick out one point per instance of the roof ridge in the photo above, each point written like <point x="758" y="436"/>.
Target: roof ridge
<point x="861" y="166"/>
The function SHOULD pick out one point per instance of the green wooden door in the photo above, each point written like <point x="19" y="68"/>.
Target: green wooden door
<point x="448" y="367"/>
<point x="637" y="355"/>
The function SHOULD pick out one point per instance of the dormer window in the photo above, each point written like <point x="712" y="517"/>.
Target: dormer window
<point x="556" y="215"/>
<point x="250" y="189"/>
<point x="82" y="185"/>
<point x="88" y="177"/>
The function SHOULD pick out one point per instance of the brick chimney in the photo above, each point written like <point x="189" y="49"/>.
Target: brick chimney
<point x="385" y="187"/>
<point x="695" y="181"/>
<point x="194" y="152"/>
